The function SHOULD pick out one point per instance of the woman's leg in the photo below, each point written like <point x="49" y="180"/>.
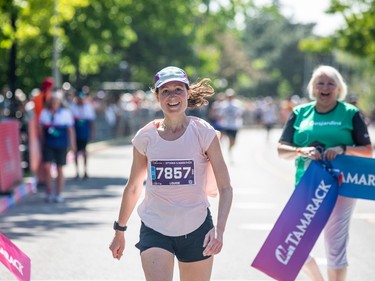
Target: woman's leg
<point x="196" y="271"/>
<point x="48" y="177"/>
<point x="60" y="181"/>
<point x="337" y="274"/>
<point x="157" y="264"/>
<point x="311" y="270"/>
<point x="76" y="154"/>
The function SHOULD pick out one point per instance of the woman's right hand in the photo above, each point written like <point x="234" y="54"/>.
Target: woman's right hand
<point x="213" y="243"/>
<point x="117" y="245"/>
<point x="311" y="152"/>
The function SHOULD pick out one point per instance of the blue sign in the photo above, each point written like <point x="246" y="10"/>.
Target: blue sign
<point x="357" y="176"/>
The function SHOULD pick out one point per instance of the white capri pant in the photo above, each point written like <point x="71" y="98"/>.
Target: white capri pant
<point x="336" y="232"/>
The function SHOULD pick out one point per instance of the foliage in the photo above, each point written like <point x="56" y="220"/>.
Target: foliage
<point x="358" y="37"/>
<point x="353" y="47"/>
<point x="33" y="34"/>
<point x="96" y="39"/>
<point x="165" y="33"/>
<point x="272" y="43"/>
<point x="255" y="50"/>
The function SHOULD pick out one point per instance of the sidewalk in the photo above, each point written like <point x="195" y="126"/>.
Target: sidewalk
<point x="23" y="189"/>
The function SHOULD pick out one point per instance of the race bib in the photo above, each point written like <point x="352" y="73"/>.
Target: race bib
<point x="172" y="172"/>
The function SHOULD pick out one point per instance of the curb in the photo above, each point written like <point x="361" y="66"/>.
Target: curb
<point x="28" y="186"/>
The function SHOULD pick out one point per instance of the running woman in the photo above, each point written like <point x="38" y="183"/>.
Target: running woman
<point x="177" y="153"/>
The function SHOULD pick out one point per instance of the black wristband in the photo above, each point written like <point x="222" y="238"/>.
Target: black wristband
<point x="343" y="148"/>
<point x="116" y="226"/>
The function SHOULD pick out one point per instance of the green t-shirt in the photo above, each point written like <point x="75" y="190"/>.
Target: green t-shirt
<point x="326" y="129"/>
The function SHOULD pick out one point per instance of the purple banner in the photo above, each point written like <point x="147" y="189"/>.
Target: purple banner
<point x="298" y="227"/>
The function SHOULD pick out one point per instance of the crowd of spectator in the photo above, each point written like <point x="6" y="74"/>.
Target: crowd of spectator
<point x="122" y="113"/>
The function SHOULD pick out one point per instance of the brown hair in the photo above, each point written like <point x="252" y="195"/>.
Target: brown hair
<point x="198" y="93"/>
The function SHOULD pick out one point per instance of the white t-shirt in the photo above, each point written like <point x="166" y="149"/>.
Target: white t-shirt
<point x="230" y="115"/>
<point x="84" y="111"/>
<point x="63" y="117"/>
<point x="55" y="127"/>
<point x="175" y="200"/>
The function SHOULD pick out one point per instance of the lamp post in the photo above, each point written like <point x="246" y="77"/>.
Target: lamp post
<point x="56" y="49"/>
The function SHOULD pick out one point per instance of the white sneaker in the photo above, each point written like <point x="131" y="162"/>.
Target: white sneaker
<point x="48" y="198"/>
<point x="59" y="199"/>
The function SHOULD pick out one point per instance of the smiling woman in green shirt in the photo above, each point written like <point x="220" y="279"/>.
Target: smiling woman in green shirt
<point x="322" y="129"/>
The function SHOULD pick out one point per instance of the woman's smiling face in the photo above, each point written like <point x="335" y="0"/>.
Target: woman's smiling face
<point x="173" y="97"/>
<point x="326" y="91"/>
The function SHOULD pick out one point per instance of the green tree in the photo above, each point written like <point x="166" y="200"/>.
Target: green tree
<point x="32" y="34"/>
<point x="351" y="47"/>
<point x="130" y="40"/>
<point x="96" y="37"/>
<point x="165" y="35"/>
<point x="358" y="36"/>
<point x="8" y="17"/>
<point x="272" y="44"/>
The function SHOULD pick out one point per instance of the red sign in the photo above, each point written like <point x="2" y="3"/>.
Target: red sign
<point x="10" y="156"/>
<point x="14" y="259"/>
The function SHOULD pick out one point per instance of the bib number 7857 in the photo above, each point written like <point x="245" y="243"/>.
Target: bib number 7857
<point x="172" y="172"/>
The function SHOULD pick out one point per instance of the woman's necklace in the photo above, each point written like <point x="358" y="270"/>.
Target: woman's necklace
<point x="176" y="129"/>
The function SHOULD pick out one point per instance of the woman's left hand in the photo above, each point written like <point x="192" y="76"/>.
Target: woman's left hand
<point x="212" y="243"/>
<point x="332" y="152"/>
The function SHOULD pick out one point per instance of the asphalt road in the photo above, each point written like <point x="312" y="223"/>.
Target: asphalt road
<point x="69" y="241"/>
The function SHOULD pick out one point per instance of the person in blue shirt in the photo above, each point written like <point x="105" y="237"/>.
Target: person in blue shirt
<point x="84" y="117"/>
<point x="56" y="130"/>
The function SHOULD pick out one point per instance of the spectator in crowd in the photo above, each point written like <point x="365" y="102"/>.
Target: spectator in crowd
<point x="230" y="117"/>
<point x="43" y="96"/>
<point x="214" y="112"/>
<point x="286" y="107"/>
<point x="353" y="99"/>
<point x="4" y="103"/>
<point x="40" y="100"/>
<point x="84" y="124"/>
<point x="57" y="135"/>
<point x="269" y="115"/>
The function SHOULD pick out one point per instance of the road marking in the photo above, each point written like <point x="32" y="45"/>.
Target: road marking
<point x="250" y="191"/>
<point x="364" y="216"/>
<point x="257" y="226"/>
<point x="255" y="205"/>
<point x="369" y="217"/>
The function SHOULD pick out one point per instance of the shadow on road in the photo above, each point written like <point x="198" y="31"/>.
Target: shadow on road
<point x="33" y="216"/>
